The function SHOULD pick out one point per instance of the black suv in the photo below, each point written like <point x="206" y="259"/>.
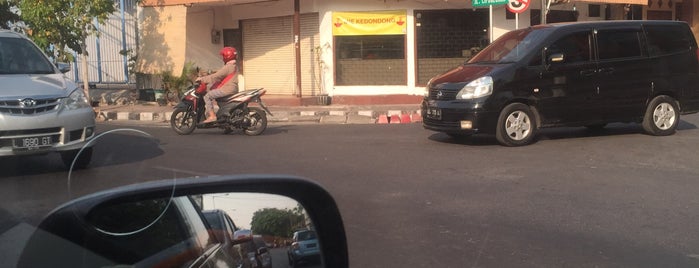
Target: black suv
<point x="570" y="74"/>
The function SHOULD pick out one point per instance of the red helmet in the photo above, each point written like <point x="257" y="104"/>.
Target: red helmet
<point x="228" y="54"/>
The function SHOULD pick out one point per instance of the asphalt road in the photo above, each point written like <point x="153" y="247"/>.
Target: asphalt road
<point x="414" y="198"/>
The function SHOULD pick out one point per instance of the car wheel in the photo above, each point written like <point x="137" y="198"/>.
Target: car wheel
<point x="662" y="116"/>
<point x="516" y="125"/>
<point x="82" y="160"/>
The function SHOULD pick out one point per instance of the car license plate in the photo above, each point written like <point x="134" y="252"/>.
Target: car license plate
<point x="32" y="143"/>
<point x="434" y="113"/>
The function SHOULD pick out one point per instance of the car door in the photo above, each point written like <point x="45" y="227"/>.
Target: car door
<point x="624" y="73"/>
<point x="567" y="89"/>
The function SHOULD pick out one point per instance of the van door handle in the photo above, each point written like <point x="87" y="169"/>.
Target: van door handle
<point x="609" y="70"/>
<point x="588" y="72"/>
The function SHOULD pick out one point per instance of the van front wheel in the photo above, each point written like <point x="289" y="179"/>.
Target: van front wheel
<point x="516" y="125"/>
<point x="662" y="116"/>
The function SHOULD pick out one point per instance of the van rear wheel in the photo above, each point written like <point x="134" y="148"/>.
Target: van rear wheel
<point x="516" y="125"/>
<point x="662" y="116"/>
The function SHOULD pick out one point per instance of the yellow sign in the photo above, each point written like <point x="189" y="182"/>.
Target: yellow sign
<point x="369" y="23"/>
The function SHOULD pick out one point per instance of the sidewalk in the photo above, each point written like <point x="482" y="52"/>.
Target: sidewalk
<point x="109" y="110"/>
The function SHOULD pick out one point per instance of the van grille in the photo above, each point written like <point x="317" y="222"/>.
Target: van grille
<point x="445" y="94"/>
<point x="29" y="106"/>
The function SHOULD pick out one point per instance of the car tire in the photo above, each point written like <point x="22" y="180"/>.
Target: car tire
<point x="81" y="162"/>
<point x="516" y="125"/>
<point x="662" y="116"/>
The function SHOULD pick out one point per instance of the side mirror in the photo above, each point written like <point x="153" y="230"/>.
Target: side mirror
<point x="241" y="236"/>
<point x="104" y="228"/>
<point x="63" y="67"/>
<point x="261" y="250"/>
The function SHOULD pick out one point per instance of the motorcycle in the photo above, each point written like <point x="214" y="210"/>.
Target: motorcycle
<point x="234" y="112"/>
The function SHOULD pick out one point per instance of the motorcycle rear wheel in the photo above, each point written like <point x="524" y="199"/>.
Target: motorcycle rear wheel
<point x="182" y="121"/>
<point x="258" y="122"/>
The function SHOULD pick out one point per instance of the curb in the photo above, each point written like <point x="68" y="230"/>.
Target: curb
<point x="306" y="116"/>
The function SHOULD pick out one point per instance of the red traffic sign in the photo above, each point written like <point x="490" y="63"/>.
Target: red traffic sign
<point x="517" y="6"/>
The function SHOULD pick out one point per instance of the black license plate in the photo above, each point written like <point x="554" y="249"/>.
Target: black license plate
<point x="434" y="113"/>
<point x="32" y="143"/>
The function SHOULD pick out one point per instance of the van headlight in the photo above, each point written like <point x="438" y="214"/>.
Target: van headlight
<point x="477" y="88"/>
<point x="76" y="100"/>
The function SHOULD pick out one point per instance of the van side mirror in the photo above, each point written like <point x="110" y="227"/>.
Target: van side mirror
<point x="63" y="67"/>
<point x="241" y="236"/>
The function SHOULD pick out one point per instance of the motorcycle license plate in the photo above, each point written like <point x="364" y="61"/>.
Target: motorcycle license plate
<point x="434" y="113"/>
<point x="32" y="143"/>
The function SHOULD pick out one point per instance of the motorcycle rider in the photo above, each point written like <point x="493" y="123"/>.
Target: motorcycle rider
<point x="224" y="82"/>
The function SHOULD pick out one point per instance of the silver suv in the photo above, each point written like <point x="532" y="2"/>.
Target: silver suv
<point x="41" y="110"/>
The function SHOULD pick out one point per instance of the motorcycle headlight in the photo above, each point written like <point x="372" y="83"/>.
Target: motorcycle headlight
<point x="477" y="88"/>
<point x="76" y="100"/>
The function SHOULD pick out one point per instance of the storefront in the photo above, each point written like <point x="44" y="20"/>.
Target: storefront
<point x="364" y="48"/>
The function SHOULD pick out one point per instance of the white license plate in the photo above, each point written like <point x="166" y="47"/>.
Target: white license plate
<point x="434" y="113"/>
<point x="32" y="142"/>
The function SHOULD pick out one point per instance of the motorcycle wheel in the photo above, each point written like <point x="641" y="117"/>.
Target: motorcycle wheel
<point x="182" y="121"/>
<point x="258" y="122"/>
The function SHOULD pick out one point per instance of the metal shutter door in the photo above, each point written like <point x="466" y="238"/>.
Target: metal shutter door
<point x="310" y="42"/>
<point x="268" y="55"/>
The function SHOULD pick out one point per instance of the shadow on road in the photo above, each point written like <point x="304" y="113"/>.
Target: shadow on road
<point x="111" y="149"/>
<point x="616" y="129"/>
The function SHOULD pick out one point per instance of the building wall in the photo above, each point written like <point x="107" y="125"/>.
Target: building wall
<point x="163" y="39"/>
<point x="202" y="19"/>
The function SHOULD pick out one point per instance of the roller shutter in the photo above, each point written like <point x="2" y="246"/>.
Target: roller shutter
<point x="268" y="55"/>
<point x="310" y="67"/>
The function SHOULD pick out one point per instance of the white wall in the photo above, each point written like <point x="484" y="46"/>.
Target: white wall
<point x="200" y="50"/>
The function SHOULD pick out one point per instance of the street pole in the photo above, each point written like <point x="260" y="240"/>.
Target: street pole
<point x="490" y="31"/>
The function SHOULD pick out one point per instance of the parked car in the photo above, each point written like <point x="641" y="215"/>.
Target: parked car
<point x="41" y="110"/>
<point x="570" y="74"/>
<point x="304" y="248"/>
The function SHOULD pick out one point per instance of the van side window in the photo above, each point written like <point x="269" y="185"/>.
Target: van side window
<point x="619" y="44"/>
<point x="663" y="40"/>
<point x="575" y="47"/>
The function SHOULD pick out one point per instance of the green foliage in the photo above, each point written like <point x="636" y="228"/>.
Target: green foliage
<point x="59" y="25"/>
<point x="179" y="83"/>
<point x="277" y="222"/>
<point x="7" y="15"/>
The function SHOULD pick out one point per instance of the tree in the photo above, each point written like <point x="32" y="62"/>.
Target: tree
<point x="59" y="26"/>
<point x="8" y="16"/>
<point x="276" y="222"/>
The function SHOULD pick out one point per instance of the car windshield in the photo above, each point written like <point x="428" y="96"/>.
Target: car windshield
<point x="511" y="47"/>
<point x="20" y="56"/>
<point x="302" y="236"/>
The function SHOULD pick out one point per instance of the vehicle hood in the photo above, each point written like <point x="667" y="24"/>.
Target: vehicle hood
<point x="24" y="85"/>
<point x="464" y="73"/>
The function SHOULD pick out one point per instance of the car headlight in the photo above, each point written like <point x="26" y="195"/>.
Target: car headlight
<point x="76" y="100"/>
<point x="477" y="88"/>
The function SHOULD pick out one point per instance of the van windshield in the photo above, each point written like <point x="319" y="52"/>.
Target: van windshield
<point x="20" y="56"/>
<point x="511" y="47"/>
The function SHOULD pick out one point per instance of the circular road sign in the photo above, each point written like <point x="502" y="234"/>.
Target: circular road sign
<point x="517" y="6"/>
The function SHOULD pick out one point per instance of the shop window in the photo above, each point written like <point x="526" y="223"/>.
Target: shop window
<point x="370" y="60"/>
<point x="593" y="11"/>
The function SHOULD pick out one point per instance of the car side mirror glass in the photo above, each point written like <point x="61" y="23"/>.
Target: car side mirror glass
<point x="242" y="236"/>
<point x="159" y="222"/>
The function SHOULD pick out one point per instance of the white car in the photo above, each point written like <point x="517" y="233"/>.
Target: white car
<point x="41" y="110"/>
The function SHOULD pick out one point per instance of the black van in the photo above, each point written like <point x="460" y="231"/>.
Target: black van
<point x="570" y="74"/>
